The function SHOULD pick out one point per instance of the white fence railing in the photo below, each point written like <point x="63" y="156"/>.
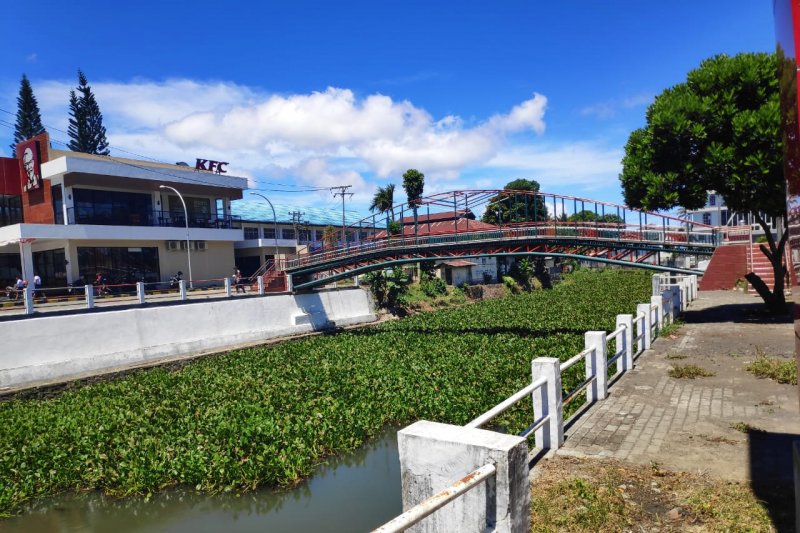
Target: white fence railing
<point x="632" y="336"/>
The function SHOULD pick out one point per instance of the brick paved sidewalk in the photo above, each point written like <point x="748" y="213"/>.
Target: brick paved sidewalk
<point x="685" y="424"/>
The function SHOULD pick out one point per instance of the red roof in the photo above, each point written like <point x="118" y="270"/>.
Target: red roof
<point x="456" y="263"/>
<point x="462" y="225"/>
<point x="436" y="217"/>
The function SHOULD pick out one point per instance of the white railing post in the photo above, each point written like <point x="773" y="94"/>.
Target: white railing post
<point x="289" y="283"/>
<point x="261" y="285"/>
<point x="356" y="281"/>
<point x="88" y="291"/>
<point x="694" y="286"/>
<point x="182" y="287"/>
<point x="645" y="331"/>
<point x="27" y="295"/>
<point x="547" y="403"/>
<point x="596" y="366"/>
<point x="676" y="301"/>
<point x="658" y="302"/>
<point x="684" y="294"/>
<point x="140" y="294"/>
<point x="625" y="343"/>
<point x="666" y="306"/>
<point x="656" y="283"/>
<point x="227" y="286"/>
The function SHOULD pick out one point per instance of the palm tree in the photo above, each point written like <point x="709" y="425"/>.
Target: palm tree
<point x="383" y="200"/>
<point x="414" y="184"/>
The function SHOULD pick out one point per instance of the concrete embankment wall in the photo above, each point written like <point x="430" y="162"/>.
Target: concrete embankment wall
<point x="53" y="348"/>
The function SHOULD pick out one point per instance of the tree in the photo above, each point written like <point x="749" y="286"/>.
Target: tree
<point x="29" y="120"/>
<point x="718" y="131"/>
<point x="591" y="216"/>
<point x="383" y="201"/>
<point x="329" y="237"/>
<point x="413" y="184"/>
<point x="86" y="129"/>
<point x="510" y="208"/>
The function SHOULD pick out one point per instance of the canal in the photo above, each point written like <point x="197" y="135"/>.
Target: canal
<point x="357" y="492"/>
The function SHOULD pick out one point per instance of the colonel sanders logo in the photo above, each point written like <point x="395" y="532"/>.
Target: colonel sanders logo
<point x="31" y="170"/>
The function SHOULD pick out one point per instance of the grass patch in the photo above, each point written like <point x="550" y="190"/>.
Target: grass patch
<point x="744" y="427"/>
<point x="780" y="370"/>
<point x="579" y="495"/>
<point x="268" y="415"/>
<point x="689" y="372"/>
<point x="671" y="329"/>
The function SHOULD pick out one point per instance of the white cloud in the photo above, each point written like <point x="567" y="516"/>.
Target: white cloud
<point x="32" y="57"/>
<point x="610" y="108"/>
<point x="555" y="166"/>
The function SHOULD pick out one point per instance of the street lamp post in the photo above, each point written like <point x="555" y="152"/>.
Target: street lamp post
<point x="186" y="219"/>
<point x="275" y="222"/>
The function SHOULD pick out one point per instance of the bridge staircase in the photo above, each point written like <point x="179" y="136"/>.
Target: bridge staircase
<point x="274" y="279"/>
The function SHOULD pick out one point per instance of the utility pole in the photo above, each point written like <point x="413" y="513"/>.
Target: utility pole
<point x="296" y="219"/>
<point x="341" y="190"/>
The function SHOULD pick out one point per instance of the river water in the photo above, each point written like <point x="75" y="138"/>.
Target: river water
<point x="357" y="492"/>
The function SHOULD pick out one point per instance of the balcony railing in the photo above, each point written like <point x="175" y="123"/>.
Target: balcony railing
<point x="109" y="217"/>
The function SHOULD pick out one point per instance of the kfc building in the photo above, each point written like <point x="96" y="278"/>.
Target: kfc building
<point x="67" y="215"/>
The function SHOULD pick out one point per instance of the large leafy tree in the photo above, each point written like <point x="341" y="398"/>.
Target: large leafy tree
<point x="383" y="200"/>
<point x="86" y="131"/>
<point x="414" y="184"/>
<point x="591" y="216"/>
<point x="29" y="120"/>
<point x="512" y="207"/>
<point x="718" y="131"/>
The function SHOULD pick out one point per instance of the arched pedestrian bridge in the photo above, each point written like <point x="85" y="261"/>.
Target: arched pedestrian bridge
<point x="524" y="225"/>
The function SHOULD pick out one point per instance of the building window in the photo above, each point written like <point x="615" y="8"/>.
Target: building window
<point x="287" y="233"/>
<point x="269" y="233"/>
<point x="724" y="215"/>
<point x="250" y="233"/>
<point x="10" y="210"/>
<point x="304" y="235"/>
<point x="712" y="199"/>
<point x="707" y="218"/>
<point x="113" y="208"/>
<point x="51" y="267"/>
<point x="119" y="264"/>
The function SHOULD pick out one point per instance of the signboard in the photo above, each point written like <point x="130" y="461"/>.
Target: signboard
<point x="212" y="166"/>
<point x="30" y="165"/>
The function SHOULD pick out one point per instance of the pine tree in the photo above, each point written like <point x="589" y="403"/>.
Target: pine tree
<point x="86" y="129"/>
<point x="29" y="120"/>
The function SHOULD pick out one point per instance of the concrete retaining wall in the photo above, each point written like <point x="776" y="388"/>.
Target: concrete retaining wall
<point x="52" y="348"/>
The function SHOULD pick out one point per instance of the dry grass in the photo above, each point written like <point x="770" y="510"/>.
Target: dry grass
<point x="689" y="372"/>
<point x="582" y="495"/>
<point x="780" y="370"/>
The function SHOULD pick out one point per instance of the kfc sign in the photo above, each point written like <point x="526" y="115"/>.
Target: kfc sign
<point x="213" y="166"/>
<point x="30" y="167"/>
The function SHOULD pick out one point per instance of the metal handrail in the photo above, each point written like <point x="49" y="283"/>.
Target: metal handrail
<point x="577" y="390"/>
<point x="507" y="403"/>
<point x="437" y="501"/>
<point x="576" y="358"/>
<point x="613" y="335"/>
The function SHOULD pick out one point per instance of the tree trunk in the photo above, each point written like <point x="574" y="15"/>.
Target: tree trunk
<point x="775" y="299"/>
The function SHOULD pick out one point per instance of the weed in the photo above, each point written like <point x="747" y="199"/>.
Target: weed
<point x="689" y="372"/>
<point x="671" y="329"/>
<point x="744" y="427"/>
<point x="677" y="356"/>
<point x="782" y="371"/>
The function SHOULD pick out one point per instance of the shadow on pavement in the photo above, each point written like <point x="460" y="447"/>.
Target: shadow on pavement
<point x="744" y="313"/>
<point x="771" y="474"/>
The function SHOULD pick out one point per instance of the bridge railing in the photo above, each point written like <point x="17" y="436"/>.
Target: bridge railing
<point x="608" y="232"/>
<point x="632" y="336"/>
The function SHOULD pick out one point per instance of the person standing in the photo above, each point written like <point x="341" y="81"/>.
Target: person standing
<point x="37" y="285"/>
<point x="237" y="278"/>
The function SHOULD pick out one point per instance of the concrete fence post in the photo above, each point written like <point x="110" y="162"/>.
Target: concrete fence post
<point x="140" y="292"/>
<point x="227" y="286"/>
<point x="547" y="403"/>
<point x="289" y="283"/>
<point x="676" y="301"/>
<point x="357" y="281"/>
<point x="666" y="306"/>
<point x="625" y="343"/>
<point x="261" y="285"/>
<point x="596" y="365"/>
<point x="645" y="330"/>
<point x="88" y="290"/>
<point x="656" y="283"/>
<point x="433" y="456"/>
<point x="182" y="287"/>
<point x="658" y="302"/>
<point x="27" y="295"/>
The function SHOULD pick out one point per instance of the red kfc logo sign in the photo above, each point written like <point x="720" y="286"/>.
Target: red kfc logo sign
<point x="30" y="165"/>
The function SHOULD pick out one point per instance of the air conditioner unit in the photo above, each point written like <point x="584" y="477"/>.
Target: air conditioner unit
<point x="172" y="245"/>
<point x="200" y="245"/>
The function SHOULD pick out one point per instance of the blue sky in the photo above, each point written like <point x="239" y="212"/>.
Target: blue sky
<point x="314" y="94"/>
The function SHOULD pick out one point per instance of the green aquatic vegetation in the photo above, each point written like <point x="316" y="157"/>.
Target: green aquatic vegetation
<point x="268" y="415"/>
